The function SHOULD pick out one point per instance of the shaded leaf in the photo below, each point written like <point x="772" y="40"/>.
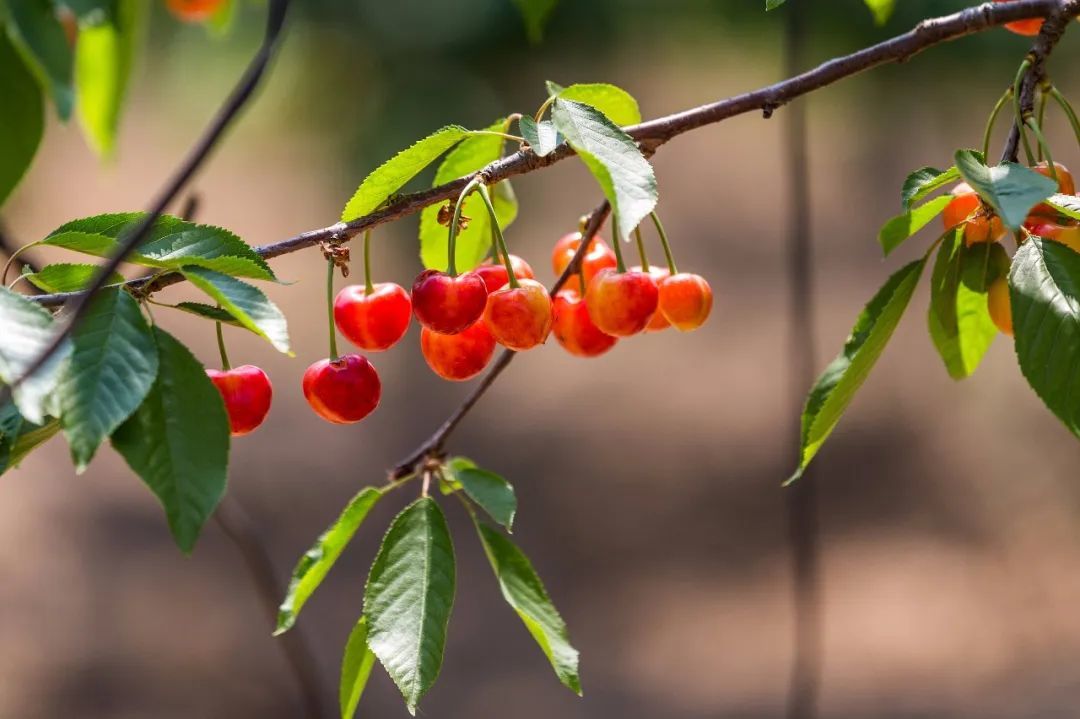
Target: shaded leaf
<point x="19" y="437"/>
<point x="535" y="13"/>
<point x="958" y="319"/>
<point x="22" y="120"/>
<point x="209" y="312"/>
<point x="924" y="181"/>
<point x="1066" y="204"/>
<point x="66" y="277"/>
<point x="26" y="330"/>
<point x="901" y="227"/>
<point x="490" y="491"/>
<point x="355" y="669"/>
<point x="1010" y="188"/>
<point x="247" y="303"/>
<point x="542" y="137"/>
<point x="35" y="24"/>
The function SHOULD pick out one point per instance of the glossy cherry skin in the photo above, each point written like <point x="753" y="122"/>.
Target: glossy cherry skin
<point x="458" y="357"/>
<point x="342" y="391"/>
<point x="574" y="329"/>
<point x="1066" y="186"/>
<point x="1068" y="235"/>
<point x="658" y="321"/>
<point x="999" y="305"/>
<point x="374" y="321"/>
<point x="622" y="303"/>
<point x="599" y="257"/>
<point x="685" y="300"/>
<point x="1024" y="27"/>
<point x="967" y="208"/>
<point x="194" y="10"/>
<point x="494" y="274"/>
<point x="246" y="391"/>
<point x="446" y="304"/>
<point x="519" y="317"/>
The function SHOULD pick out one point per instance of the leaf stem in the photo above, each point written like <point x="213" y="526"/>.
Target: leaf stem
<point x="620" y="266"/>
<point x="1045" y="147"/>
<point x="664" y="243"/>
<point x="221" y="347"/>
<point x="510" y="276"/>
<point x="451" y="246"/>
<point x="495" y="133"/>
<point x="993" y="118"/>
<point x="641" y="249"/>
<point x="1068" y="110"/>
<point x="1043" y="97"/>
<point x="11" y="260"/>
<point x="543" y="108"/>
<point x="368" y="286"/>
<point x="330" y="309"/>
<point x="1024" y="66"/>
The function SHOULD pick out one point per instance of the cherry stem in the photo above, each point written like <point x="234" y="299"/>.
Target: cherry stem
<point x="1044" y="96"/>
<point x="1045" y="148"/>
<point x="1068" y="110"/>
<point x="620" y="266"/>
<point x="368" y="286"/>
<point x="1020" y="122"/>
<point x="494" y="133"/>
<point x="543" y="108"/>
<point x="11" y="261"/>
<point x="451" y="245"/>
<point x="494" y="247"/>
<point x="330" y="309"/>
<point x="664" y="243"/>
<point x="1005" y="96"/>
<point x="581" y="281"/>
<point x="510" y="276"/>
<point x="641" y="249"/>
<point x="221" y="347"/>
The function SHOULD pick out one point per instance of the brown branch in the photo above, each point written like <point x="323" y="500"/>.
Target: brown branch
<point x="656" y="132"/>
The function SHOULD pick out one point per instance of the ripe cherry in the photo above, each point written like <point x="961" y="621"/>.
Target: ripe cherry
<point x="458" y="357"/>
<point x="373" y="321"/>
<point x="1068" y="235"/>
<point x="967" y="208"/>
<point x="685" y="300"/>
<point x="344" y="390"/>
<point x="494" y="273"/>
<point x="1066" y="186"/>
<point x="247" y="392"/>
<point x="1024" y="27"/>
<point x="622" y="303"/>
<point x="574" y="329"/>
<point x="448" y="304"/>
<point x="999" y="305"/>
<point x="599" y="257"/>
<point x="194" y="10"/>
<point x="519" y="317"/>
<point x="658" y="321"/>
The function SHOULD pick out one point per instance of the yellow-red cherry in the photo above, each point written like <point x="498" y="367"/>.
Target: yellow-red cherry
<point x="685" y="300"/>
<point x="1066" y="186"/>
<point x="458" y="357"/>
<point x="622" y="303"/>
<point x="658" y="321"/>
<point x="1027" y="27"/>
<point x="599" y="257"/>
<point x="344" y="390"/>
<point x="247" y="392"/>
<point x="194" y="10"/>
<point x="494" y="273"/>
<point x="446" y="304"/>
<point x="519" y="317"/>
<point x="375" y="320"/>
<point x="574" y="329"/>
<point x="968" y="209"/>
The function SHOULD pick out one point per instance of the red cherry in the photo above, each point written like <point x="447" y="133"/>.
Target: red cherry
<point x="622" y="303"/>
<point x="458" y="357"/>
<point x="967" y="208"/>
<point x="1024" y="27"/>
<point x="494" y="273"/>
<point x="448" y="304"/>
<point x="247" y="392"/>
<point x="344" y="390"/>
<point x="1066" y="186"/>
<point x="685" y="300"/>
<point x="658" y="321"/>
<point x="519" y="317"/>
<point x="599" y="257"/>
<point x="193" y="10"/>
<point x="374" y="321"/>
<point x="574" y="329"/>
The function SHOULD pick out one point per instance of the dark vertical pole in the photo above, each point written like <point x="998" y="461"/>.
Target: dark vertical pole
<point x="802" y="496"/>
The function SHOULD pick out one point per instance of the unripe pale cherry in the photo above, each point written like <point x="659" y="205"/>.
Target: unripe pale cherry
<point x="458" y="357"/>
<point x="446" y="304"/>
<point x="494" y="273"/>
<point x="194" y="10"/>
<point x="344" y="390"/>
<point x="621" y="303"/>
<point x="685" y="300"/>
<point x="519" y="317"/>
<point x="658" y="321"/>
<point x="999" y="305"/>
<point x="574" y="329"/>
<point x="373" y="321"/>
<point x="247" y="392"/>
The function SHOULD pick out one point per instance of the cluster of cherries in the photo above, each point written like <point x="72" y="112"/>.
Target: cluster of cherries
<point x="980" y="225"/>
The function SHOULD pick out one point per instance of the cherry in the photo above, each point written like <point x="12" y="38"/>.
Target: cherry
<point x="621" y="303"/>
<point x="194" y="10"/>
<point x="658" y="321"/>
<point x="1066" y="186"/>
<point x="519" y="317"/>
<point x="999" y="305"/>
<point x="967" y="208"/>
<point x="446" y="304"/>
<point x="458" y="357"/>
<point x="1024" y="27"/>
<point x="494" y="273"/>
<point x="1068" y="235"/>
<point x="685" y="300"/>
<point x="246" y="391"/>
<point x="574" y="329"/>
<point x="599" y="257"/>
<point x="344" y="390"/>
<point x="373" y="321"/>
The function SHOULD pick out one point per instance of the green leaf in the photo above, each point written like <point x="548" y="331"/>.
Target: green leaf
<point x="104" y="57"/>
<point x="317" y="561"/>
<point x="542" y="137"/>
<point x="224" y="18"/>
<point x="473" y="242"/>
<point x="26" y="330"/>
<point x="881" y="9"/>
<point x="209" y="312"/>
<point x="22" y="120"/>
<point x="112" y="367"/>
<point x="19" y="437"/>
<point x="773" y="4"/>
<point x="535" y="13"/>
<point x="10" y="424"/>
<point x="490" y="491"/>
<point x="1045" y="298"/>
<point x="624" y="174"/>
<point x="392" y="175"/>
<point x="959" y="321"/>
<point x="924" y="181"/>
<point x="901" y="227"/>
<point x="66" y="277"/>
<point x="1012" y="189"/>
<point x="616" y="103"/>
<point x="178" y="440"/>
<point x="408" y="598"/>
<point x="836" y="386"/>
<point x="247" y="303"/>
<point x="523" y="590"/>
<point x="172" y="243"/>
<point x="1066" y="204"/>
<point x="35" y="24"/>
<point x="355" y="669"/>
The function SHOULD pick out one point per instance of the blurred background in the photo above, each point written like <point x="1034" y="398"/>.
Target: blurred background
<point x="648" y="479"/>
